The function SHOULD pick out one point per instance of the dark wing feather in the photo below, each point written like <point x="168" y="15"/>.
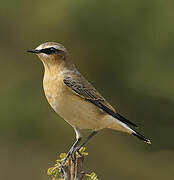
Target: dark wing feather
<point x="84" y="89"/>
<point x="112" y="113"/>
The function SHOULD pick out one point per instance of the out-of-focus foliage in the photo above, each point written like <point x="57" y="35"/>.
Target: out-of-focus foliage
<point x="123" y="47"/>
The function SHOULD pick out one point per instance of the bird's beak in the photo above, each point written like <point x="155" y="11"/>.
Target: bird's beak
<point x="35" y="51"/>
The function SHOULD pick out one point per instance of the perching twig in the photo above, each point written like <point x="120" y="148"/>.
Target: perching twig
<point x="72" y="170"/>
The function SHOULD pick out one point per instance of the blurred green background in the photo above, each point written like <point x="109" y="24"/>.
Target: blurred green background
<point x="123" y="47"/>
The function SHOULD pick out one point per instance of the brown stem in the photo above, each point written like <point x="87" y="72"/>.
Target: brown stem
<point x="73" y="169"/>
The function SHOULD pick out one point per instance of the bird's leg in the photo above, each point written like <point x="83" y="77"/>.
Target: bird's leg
<point x="70" y="152"/>
<point x="84" y="142"/>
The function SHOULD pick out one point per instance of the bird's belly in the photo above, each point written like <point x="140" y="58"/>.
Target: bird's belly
<point x="79" y="113"/>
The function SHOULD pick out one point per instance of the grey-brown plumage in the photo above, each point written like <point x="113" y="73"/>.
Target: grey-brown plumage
<point x="84" y="89"/>
<point x="74" y="98"/>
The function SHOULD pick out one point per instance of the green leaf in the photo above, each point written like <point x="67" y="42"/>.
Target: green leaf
<point x="92" y="176"/>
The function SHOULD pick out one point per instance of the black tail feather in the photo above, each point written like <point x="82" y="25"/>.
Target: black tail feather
<point x="112" y="113"/>
<point x="141" y="137"/>
<point x="123" y="119"/>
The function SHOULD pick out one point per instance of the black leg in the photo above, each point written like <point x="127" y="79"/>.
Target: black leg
<point x="84" y="142"/>
<point x="70" y="152"/>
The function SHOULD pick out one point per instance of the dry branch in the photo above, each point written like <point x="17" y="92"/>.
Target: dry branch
<point x="72" y="170"/>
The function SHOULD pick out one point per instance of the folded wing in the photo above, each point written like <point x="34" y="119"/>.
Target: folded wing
<point x="79" y="85"/>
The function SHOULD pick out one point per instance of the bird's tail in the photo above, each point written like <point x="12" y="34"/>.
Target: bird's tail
<point x="120" y="126"/>
<point x="141" y="137"/>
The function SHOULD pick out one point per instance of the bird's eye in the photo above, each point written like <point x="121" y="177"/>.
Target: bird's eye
<point x="49" y="51"/>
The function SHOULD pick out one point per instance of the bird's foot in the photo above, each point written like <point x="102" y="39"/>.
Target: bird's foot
<point x="71" y="153"/>
<point x="63" y="162"/>
<point x="61" y="165"/>
<point x="76" y="153"/>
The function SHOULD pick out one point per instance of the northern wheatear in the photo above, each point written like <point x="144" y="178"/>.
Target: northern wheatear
<point x="75" y="99"/>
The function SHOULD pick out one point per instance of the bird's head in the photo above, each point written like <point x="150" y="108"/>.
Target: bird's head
<point x="51" y="53"/>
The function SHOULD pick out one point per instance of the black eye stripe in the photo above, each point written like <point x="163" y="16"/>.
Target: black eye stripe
<point x="50" y="50"/>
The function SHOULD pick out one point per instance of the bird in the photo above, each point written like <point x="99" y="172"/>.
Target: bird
<point x="75" y="99"/>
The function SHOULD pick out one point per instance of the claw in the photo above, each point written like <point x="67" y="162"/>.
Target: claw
<point x="69" y="154"/>
<point x="76" y="152"/>
<point x="62" y="164"/>
<point x="64" y="160"/>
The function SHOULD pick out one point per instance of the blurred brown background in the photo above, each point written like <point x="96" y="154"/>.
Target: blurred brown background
<point x="123" y="47"/>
